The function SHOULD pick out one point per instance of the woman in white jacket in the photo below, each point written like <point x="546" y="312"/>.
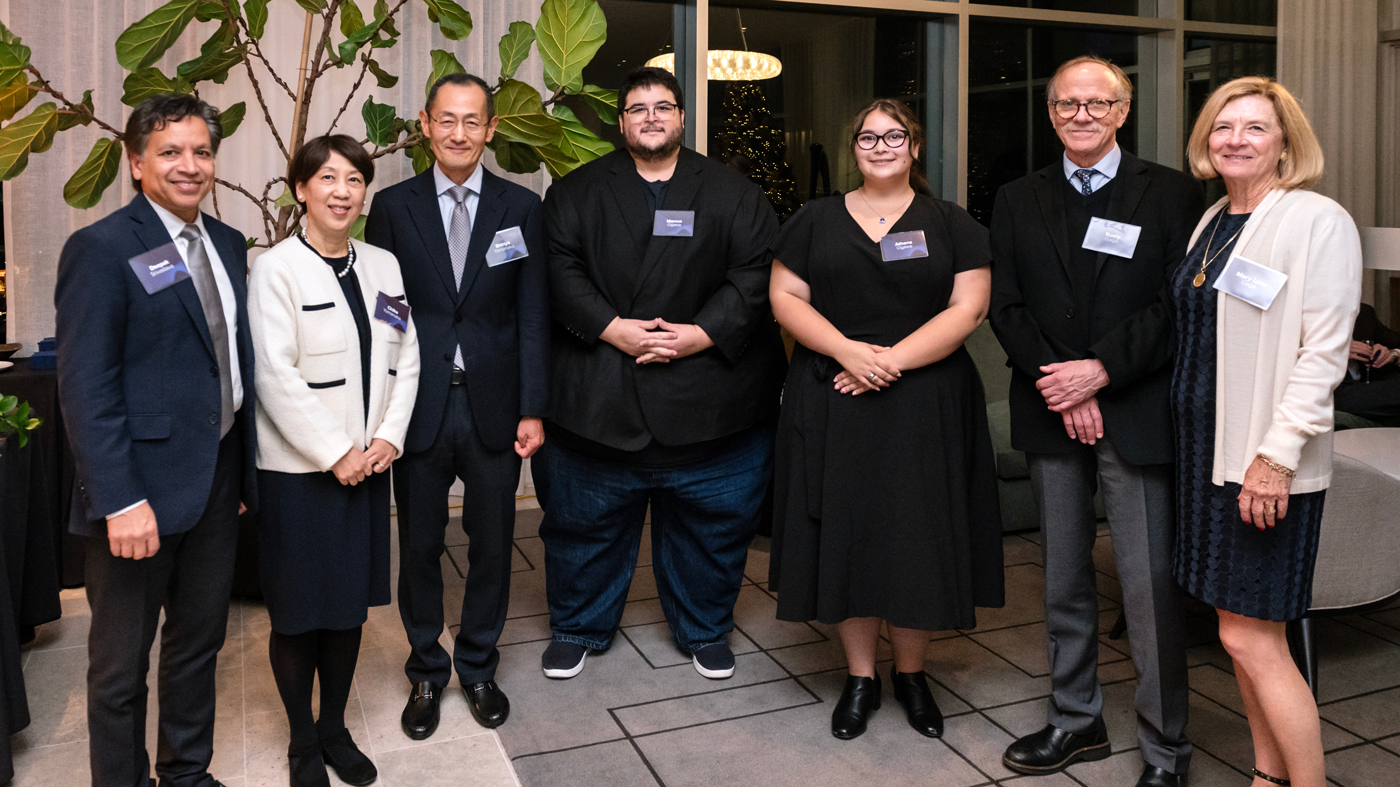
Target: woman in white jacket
<point x="1264" y="305"/>
<point x="337" y="361"/>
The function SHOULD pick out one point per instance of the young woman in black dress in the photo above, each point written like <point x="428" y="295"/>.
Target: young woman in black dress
<point x="886" y="500"/>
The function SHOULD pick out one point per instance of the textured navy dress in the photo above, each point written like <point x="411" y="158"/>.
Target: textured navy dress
<point x="1219" y="559"/>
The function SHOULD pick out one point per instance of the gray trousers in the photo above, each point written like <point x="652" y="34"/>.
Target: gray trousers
<point x="1139" y="500"/>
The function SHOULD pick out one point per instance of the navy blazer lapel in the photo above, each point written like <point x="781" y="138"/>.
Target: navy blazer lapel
<point x="1131" y="184"/>
<point x="490" y="207"/>
<point x="150" y="230"/>
<point x="630" y="202"/>
<point x="680" y="195"/>
<point x="423" y="210"/>
<point x="1052" y="210"/>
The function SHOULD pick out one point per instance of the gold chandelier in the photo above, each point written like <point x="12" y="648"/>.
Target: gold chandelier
<point x="730" y="65"/>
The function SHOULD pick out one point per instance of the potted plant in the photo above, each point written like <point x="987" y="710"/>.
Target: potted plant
<point x="15" y="426"/>
<point x="15" y="423"/>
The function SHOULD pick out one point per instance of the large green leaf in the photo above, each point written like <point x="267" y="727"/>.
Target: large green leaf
<point x="350" y="18"/>
<point x="444" y="63"/>
<point x="15" y="97"/>
<point x="144" y="43"/>
<point x="379" y="122"/>
<point x="357" y="227"/>
<point x="14" y="58"/>
<point x="288" y="198"/>
<point x="141" y="85"/>
<point x="67" y="120"/>
<point x="602" y="101"/>
<point x="569" y="33"/>
<point x="357" y="39"/>
<point x="230" y="119"/>
<point x="577" y="143"/>
<point x="455" y="22"/>
<point x="313" y="6"/>
<point x="515" y="47"/>
<point x="216" y="56"/>
<point x="257" y="16"/>
<point x="209" y="10"/>
<point x="381" y="77"/>
<point x="556" y="161"/>
<point x="7" y="37"/>
<point x="515" y="157"/>
<point x="85" y="188"/>
<point x="20" y="137"/>
<point x="522" y="115"/>
<point x="422" y="155"/>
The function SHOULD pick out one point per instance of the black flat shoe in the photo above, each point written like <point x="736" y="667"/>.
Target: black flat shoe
<point x="420" y="715"/>
<point x="1053" y="749"/>
<point x="306" y="767"/>
<point x="911" y="691"/>
<point x="488" y="703"/>
<point x="858" y="700"/>
<point x="350" y="764"/>
<point x="1152" y="776"/>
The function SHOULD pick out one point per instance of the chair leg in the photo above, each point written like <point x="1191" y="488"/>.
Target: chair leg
<point x="1302" y="643"/>
<point x="1119" y="626"/>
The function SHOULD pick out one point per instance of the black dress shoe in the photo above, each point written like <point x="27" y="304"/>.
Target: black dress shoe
<point x="489" y="704"/>
<point x="1053" y="749"/>
<point x="307" y="767"/>
<point x="350" y="764"/>
<point x="911" y="691"/>
<point x="1152" y="776"/>
<point x="420" y="715"/>
<point x="860" y="697"/>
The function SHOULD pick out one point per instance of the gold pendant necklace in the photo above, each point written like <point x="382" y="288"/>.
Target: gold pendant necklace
<point x="1201" y="276"/>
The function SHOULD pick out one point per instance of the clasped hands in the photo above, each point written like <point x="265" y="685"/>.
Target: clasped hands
<point x="1070" y="388"/>
<point x="866" y="367"/>
<point x="1367" y="354"/>
<point x="655" y="340"/>
<point x="358" y="465"/>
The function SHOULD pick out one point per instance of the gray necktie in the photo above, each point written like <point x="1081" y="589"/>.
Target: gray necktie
<point x="202" y="274"/>
<point x="458" y="238"/>
<point x="1085" y="176"/>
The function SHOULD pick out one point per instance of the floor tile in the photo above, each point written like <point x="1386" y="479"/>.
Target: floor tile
<point x="444" y="762"/>
<point x="70" y="630"/>
<point x="527" y="629"/>
<point x="972" y="672"/>
<point x="821" y="656"/>
<point x="1024" y="646"/>
<point x="659" y="648"/>
<point x="710" y="707"/>
<point x="1371" y="716"/>
<point x="1016" y="550"/>
<point x="614" y="764"/>
<point x="756" y="613"/>
<point x="1392" y="743"/>
<point x="1363" y="766"/>
<point x="1352" y="662"/>
<point x="60" y="765"/>
<point x="980" y="741"/>
<point x="1025" y="600"/>
<point x="56" y="716"/>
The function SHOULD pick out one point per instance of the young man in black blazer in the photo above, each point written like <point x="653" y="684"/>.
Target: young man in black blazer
<point x="666" y="373"/>
<point x="483" y="339"/>
<point x="1082" y="251"/>
<point x="155" y="376"/>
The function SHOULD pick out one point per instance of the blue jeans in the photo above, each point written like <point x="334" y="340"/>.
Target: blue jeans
<point x="703" y="517"/>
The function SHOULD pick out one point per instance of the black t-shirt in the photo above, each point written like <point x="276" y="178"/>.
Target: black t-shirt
<point x="655" y="191"/>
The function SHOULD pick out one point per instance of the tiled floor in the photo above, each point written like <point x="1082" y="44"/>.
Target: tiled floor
<point x="639" y="714"/>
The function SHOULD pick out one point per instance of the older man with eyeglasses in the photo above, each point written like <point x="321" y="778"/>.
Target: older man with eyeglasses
<point x="1081" y="254"/>
<point x="666" y="373"/>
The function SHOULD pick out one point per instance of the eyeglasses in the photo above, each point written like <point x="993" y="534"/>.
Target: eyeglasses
<point x="866" y="140"/>
<point x="1098" y="108"/>
<point x="663" y="111"/>
<point x="447" y="124"/>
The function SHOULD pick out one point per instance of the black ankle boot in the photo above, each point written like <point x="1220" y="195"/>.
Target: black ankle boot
<point x="307" y="767"/>
<point x="350" y="764"/>
<point x="860" y="697"/>
<point x="911" y="691"/>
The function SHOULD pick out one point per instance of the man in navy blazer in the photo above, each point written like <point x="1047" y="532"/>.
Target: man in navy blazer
<point x="155" y="375"/>
<point x="472" y="251"/>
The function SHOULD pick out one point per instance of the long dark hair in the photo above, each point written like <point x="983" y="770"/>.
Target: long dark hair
<point x="902" y="114"/>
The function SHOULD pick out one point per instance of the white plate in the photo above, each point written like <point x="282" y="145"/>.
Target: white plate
<point x="5" y="365"/>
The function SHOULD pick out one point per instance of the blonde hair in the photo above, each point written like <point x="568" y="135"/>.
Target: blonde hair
<point x="1301" y="163"/>
<point x="1125" y="85"/>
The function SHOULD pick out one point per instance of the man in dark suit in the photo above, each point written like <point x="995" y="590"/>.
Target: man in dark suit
<point x="155" y="376"/>
<point x="1082" y="251"/>
<point x="472" y="251"/>
<point x="666" y="375"/>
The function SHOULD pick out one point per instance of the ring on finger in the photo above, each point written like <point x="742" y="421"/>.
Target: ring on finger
<point x="871" y="376"/>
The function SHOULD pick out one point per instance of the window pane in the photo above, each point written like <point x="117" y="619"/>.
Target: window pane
<point x="1129" y="7"/>
<point x="1009" y="130"/>
<point x="1210" y="63"/>
<point x="1241" y="12"/>
<point x="636" y="31"/>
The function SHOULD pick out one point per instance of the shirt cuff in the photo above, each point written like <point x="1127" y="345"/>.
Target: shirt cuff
<point x="131" y="507"/>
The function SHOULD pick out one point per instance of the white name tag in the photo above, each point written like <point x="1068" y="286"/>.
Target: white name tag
<point x="1112" y="237"/>
<point x="1250" y="282"/>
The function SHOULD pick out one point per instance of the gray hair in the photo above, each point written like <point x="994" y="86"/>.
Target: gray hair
<point x="152" y="114"/>
<point x="1125" y="85"/>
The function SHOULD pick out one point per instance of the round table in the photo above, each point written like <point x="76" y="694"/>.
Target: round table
<point x="1379" y="448"/>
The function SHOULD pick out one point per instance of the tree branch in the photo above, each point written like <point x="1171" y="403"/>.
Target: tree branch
<point x="253" y="45"/>
<point x="76" y="109"/>
<point x="406" y="142"/>
<point x="324" y="68"/>
<point x="353" y="90"/>
<point x="267" y="115"/>
<point x="262" y="206"/>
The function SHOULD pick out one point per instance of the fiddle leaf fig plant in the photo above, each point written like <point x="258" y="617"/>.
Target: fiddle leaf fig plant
<point x="535" y="129"/>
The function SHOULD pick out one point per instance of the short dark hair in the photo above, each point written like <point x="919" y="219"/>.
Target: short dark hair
<point x="648" y="76"/>
<point x="152" y="114"/>
<point x="462" y="79"/>
<point x="314" y="154"/>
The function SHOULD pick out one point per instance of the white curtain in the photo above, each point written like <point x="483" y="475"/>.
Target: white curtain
<point x="73" y="43"/>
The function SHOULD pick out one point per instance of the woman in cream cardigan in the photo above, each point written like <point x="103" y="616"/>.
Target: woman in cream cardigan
<point x="1264" y="305"/>
<point x="337" y="359"/>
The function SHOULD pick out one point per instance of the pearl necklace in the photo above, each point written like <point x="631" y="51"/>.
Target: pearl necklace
<point x="348" y="265"/>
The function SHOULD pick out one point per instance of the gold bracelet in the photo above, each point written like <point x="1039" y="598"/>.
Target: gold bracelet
<point x="1276" y="467"/>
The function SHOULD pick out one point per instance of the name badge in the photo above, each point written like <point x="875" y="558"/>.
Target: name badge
<point x="674" y="223"/>
<point x="159" y="268"/>
<point x="903" y="246"/>
<point x="1251" y="282"/>
<point x="1112" y="237"/>
<point x="508" y="245"/>
<point x="392" y="311"/>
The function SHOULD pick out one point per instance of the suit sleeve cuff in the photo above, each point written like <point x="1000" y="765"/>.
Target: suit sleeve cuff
<point x="131" y="507"/>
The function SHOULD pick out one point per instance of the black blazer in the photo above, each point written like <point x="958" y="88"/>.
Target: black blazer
<point x="138" y="380"/>
<point x="499" y="316"/>
<point x="1130" y="329"/>
<point x="604" y="263"/>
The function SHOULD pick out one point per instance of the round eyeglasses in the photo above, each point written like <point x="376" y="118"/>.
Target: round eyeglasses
<point x="1098" y="108"/>
<point x="866" y="140"/>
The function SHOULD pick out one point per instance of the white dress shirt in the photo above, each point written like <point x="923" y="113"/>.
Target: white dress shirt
<point x="445" y="201"/>
<point x="1105" y="169"/>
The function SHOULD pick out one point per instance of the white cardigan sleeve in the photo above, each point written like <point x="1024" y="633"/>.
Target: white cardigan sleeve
<point x="1331" y="298"/>
<point x="303" y="420"/>
<point x="400" y="407"/>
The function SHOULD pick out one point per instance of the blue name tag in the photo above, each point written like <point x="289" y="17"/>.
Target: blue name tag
<point x="508" y="245"/>
<point x="159" y="268"/>
<point x="903" y="245"/>
<point x="1251" y="282"/>
<point x="674" y="223"/>
<point x="392" y="311"/>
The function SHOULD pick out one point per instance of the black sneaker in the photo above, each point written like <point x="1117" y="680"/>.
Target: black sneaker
<point x="714" y="661"/>
<point x="563" y="660"/>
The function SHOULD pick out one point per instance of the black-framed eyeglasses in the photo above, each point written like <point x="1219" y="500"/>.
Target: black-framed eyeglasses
<point x="663" y="111"/>
<point x="1098" y="108"/>
<point x="895" y="137"/>
<point x="447" y="124"/>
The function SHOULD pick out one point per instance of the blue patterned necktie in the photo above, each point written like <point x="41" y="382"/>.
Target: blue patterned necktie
<point x="1085" y="176"/>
